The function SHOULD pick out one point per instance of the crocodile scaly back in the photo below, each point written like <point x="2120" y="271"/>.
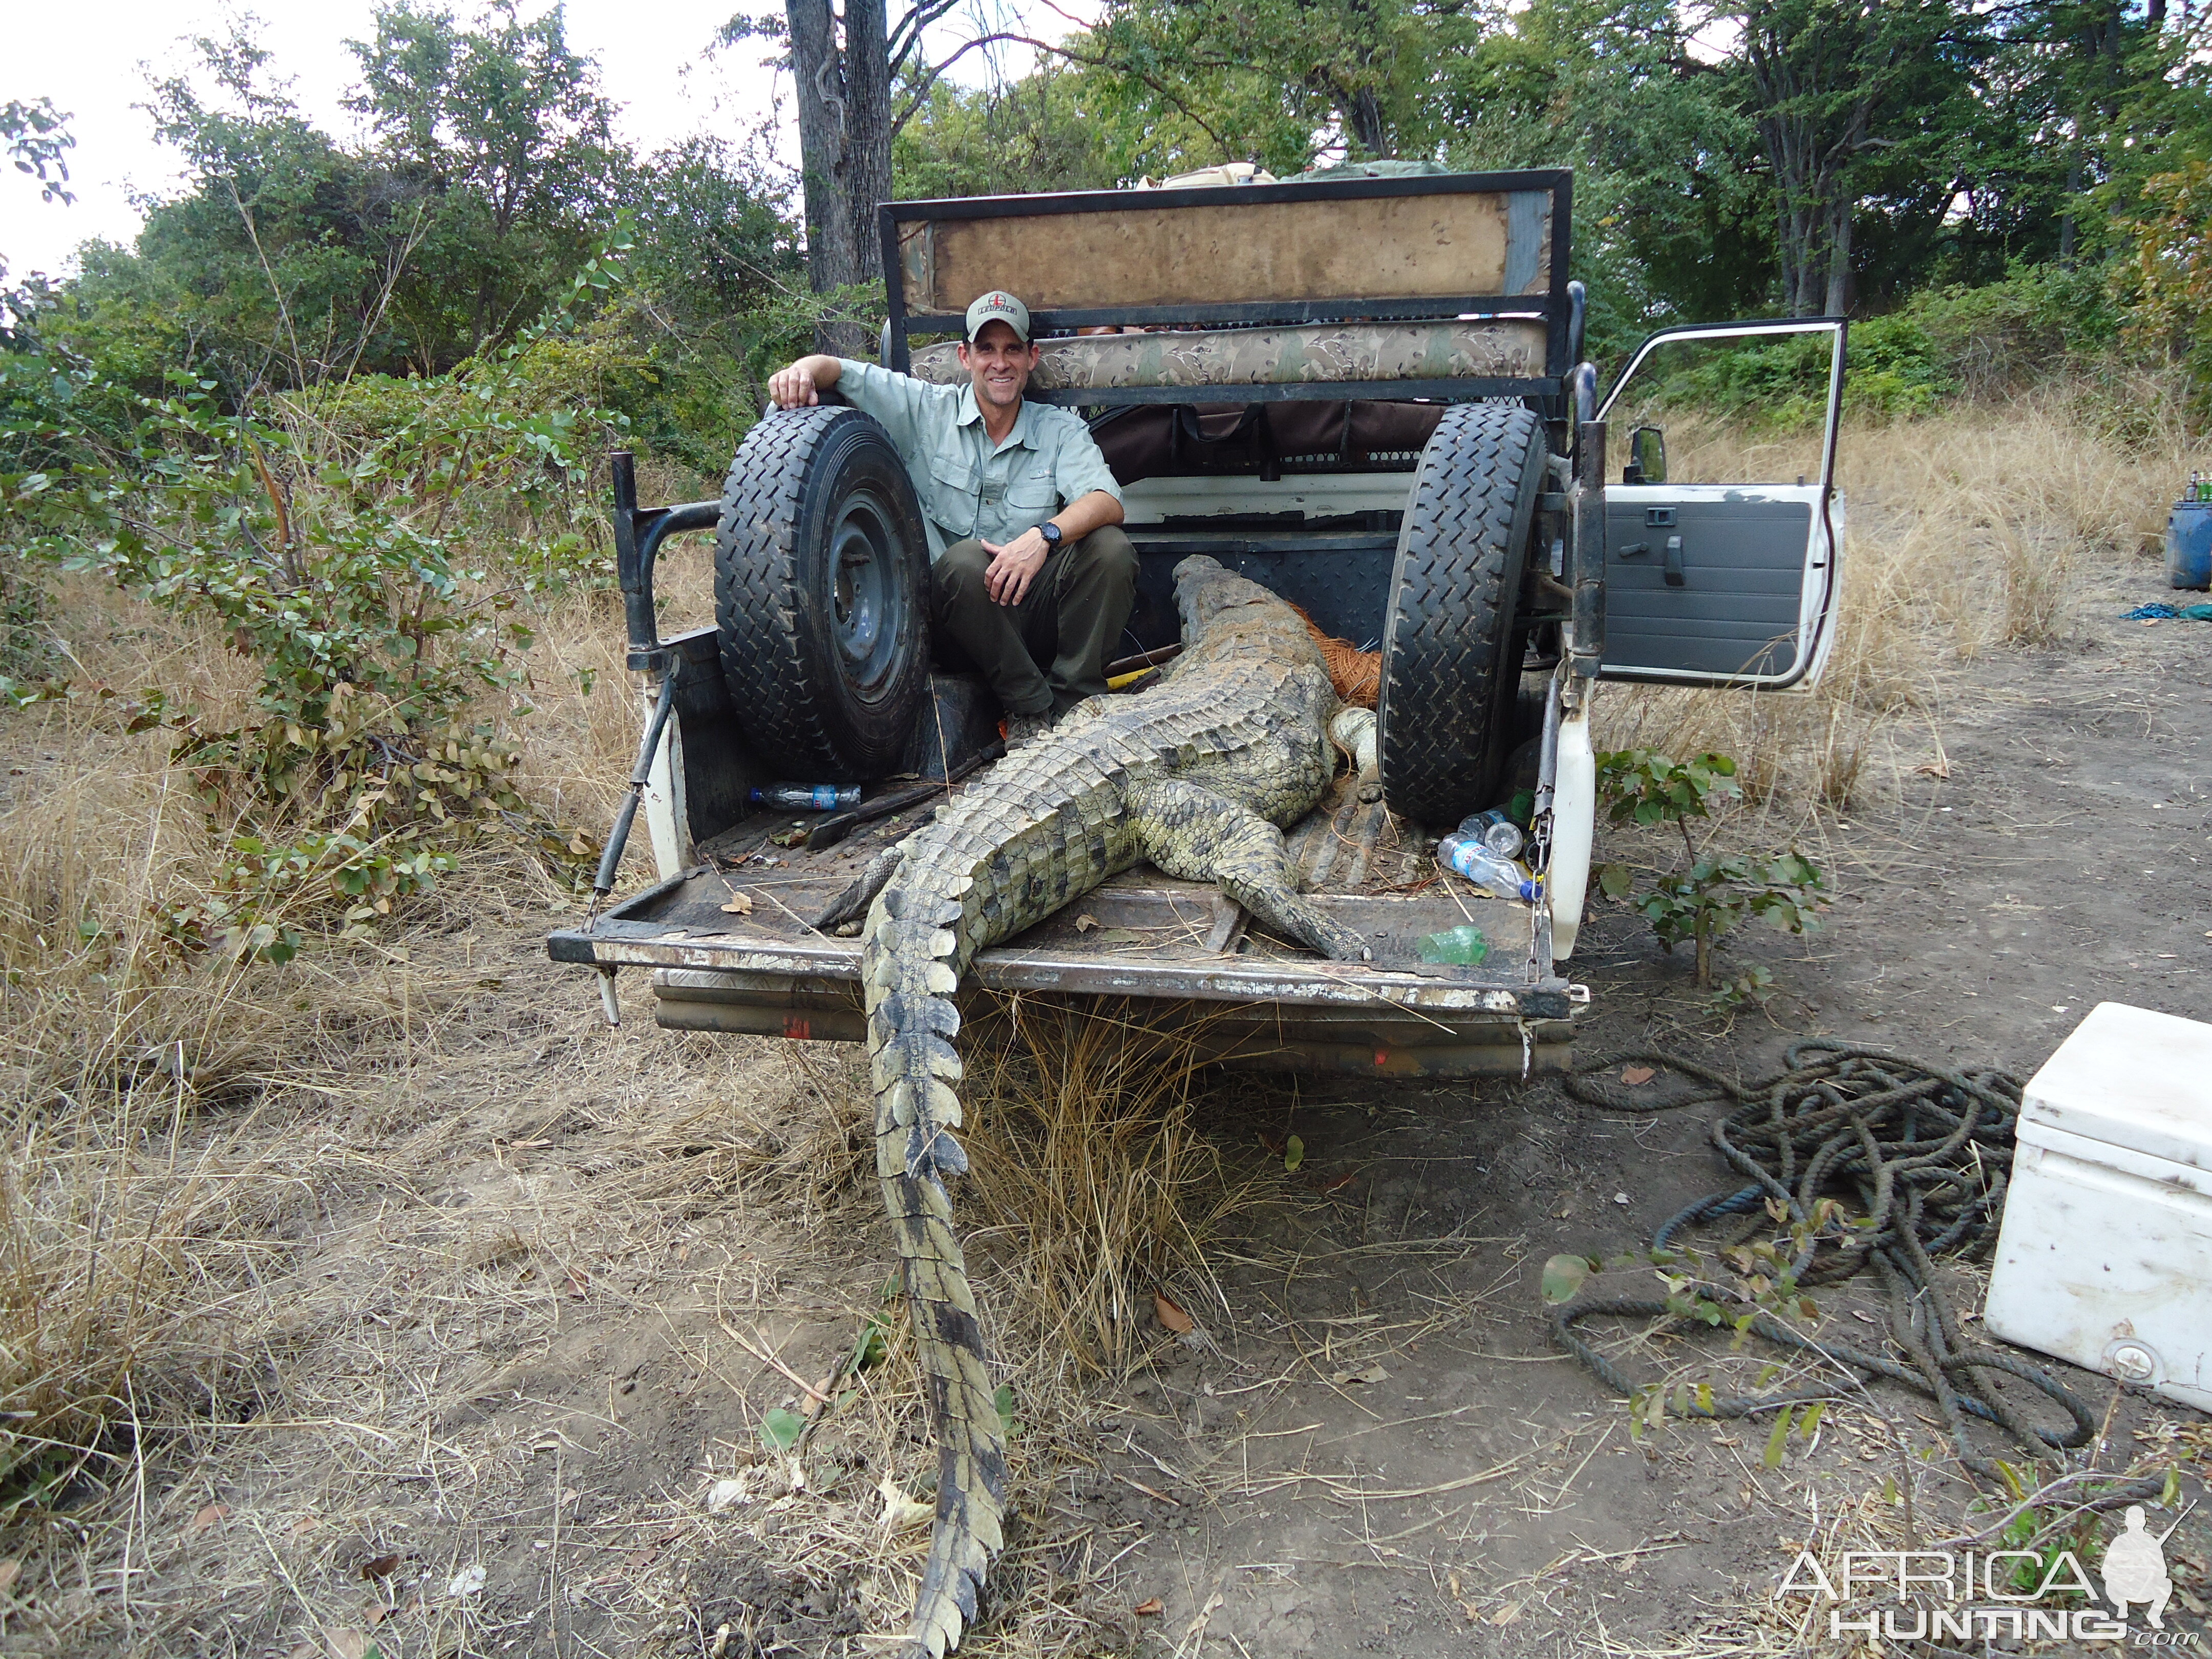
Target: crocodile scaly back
<point x="1200" y="774"/>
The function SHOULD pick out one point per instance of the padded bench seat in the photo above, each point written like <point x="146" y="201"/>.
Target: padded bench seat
<point x="1307" y="352"/>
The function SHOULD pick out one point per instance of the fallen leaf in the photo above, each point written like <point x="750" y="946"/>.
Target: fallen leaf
<point x="901" y="1512"/>
<point x="722" y="1494"/>
<point x="579" y="1283"/>
<point x="1632" y="1075"/>
<point x="1151" y="1609"/>
<point x="1620" y="1198"/>
<point x="1563" y="1277"/>
<point x="306" y="1524"/>
<point x="381" y="1567"/>
<point x="468" y="1581"/>
<point x="1119" y="936"/>
<point x="1294" y="1154"/>
<point x="780" y="1428"/>
<point x="1086" y="922"/>
<point x="1170" y="1315"/>
<point x="1506" y="1615"/>
<point x="1364" y="1374"/>
<point x="377" y="1613"/>
<point x="10" y="1569"/>
<point x="1935" y="769"/>
<point x="207" y="1518"/>
<point x="1344" y="1180"/>
<point x="350" y="1644"/>
<point x="739" y="905"/>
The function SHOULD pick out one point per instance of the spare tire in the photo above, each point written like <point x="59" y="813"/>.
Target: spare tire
<point x="1451" y="651"/>
<point x="820" y="595"/>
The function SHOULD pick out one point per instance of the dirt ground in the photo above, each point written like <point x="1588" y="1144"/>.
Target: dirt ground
<point x="1368" y="1444"/>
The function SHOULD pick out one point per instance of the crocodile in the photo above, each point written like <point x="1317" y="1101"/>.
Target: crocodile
<point x="1200" y="774"/>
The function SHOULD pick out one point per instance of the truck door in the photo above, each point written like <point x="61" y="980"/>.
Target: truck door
<point x="1724" y="531"/>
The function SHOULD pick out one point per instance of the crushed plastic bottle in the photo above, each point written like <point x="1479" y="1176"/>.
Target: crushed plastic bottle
<point x="817" y="797"/>
<point x="1504" y="878"/>
<point x="1495" y="830"/>
<point x="1461" y="946"/>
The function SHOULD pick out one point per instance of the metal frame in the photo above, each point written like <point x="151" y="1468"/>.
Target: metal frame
<point x="1832" y="586"/>
<point x="639" y="533"/>
<point x="1560" y="308"/>
<point x="1840" y="326"/>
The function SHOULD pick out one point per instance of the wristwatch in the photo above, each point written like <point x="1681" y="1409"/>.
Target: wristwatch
<point x="1051" y="531"/>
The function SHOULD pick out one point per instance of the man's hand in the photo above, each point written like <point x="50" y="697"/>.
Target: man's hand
<point x="1014" y="567"/>
<point x="792" y="388"/>
<point x="803" y="383"/>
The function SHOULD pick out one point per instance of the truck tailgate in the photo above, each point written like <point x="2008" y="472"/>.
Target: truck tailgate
<point x="731" y="950"/>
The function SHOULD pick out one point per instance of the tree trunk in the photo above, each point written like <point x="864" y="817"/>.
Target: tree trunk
<point x="2066" y="219"/>
<point x="1363" y="119"/>
<point x="844" y="149"/>
<point x="1839" y="260"/>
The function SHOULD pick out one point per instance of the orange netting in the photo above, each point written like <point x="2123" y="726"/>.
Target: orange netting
<point x="1357" y="674"/>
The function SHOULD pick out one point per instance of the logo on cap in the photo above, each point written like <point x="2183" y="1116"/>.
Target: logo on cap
<point x="1000" y="307"/>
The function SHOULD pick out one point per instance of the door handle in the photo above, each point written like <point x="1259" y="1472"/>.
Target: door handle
<point x="1674" y="578"/>
<point x="1635" y="549"/>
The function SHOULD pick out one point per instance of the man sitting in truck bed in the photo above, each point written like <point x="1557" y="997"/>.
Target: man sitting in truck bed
<point x="1032" y="580"/>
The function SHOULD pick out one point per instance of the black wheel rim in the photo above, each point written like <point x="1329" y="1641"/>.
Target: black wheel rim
<point x="868" y="594"/>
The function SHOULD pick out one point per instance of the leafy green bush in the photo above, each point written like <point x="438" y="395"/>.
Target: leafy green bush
<point x="374" y="548"/>
<point x="1944" y="343"/>
<point x="1704" y="896"/>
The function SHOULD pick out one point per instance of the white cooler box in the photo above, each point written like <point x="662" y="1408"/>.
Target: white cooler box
<point x="2105" y="1257"/>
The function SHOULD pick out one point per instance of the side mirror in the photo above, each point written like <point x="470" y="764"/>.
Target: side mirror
<point x="1647" y="456"/>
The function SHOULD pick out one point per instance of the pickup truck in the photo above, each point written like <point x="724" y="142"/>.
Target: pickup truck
<point x="1286" y="354"/>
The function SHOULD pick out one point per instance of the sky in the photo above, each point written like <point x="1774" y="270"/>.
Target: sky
<point x="92" y="57"/>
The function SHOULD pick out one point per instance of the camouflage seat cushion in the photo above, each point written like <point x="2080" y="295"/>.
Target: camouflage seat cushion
<point x="1313" y="352"/>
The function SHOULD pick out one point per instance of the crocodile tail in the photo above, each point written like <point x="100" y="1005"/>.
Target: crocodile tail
<point x="910" y="965"/>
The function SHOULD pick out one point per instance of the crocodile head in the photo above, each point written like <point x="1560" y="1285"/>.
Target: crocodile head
<point x="1204" y="590"/>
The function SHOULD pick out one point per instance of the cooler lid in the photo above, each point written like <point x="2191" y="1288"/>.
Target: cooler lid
<point x="2130" y="1078"/>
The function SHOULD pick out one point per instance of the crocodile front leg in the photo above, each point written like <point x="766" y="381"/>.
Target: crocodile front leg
<point x="1196" y="834"/>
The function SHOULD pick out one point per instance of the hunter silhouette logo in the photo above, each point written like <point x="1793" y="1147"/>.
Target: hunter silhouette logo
<point x="1983" y="1595"/>
<point x="2134" y="1568"/>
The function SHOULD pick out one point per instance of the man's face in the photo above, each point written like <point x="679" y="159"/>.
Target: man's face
<point x="999" y="364"/>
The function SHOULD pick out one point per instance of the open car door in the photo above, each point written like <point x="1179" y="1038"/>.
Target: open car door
<point x="1722" y="558"/>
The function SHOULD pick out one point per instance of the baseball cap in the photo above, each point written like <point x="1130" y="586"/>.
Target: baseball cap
<point x="999" y="306"/>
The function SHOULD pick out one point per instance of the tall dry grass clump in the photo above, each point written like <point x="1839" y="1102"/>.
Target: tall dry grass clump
<point x="144" y="1082"/>
<point x="1094" y="1184"/>
<point x="2000" y="524"/>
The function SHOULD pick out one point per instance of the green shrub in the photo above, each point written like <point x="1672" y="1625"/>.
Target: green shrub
<point x="1943" y="343"/>
<point x="1703" y="897"/>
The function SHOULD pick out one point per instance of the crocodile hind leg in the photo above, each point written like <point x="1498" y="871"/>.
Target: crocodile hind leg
<point x="1196" y="834"/>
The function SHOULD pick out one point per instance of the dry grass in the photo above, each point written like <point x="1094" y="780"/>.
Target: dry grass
<point x="1966" y="531"/>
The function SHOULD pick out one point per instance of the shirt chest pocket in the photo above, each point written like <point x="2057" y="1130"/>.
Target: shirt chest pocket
<point x="955" y="495"/>
<point x="1032" y="499"/>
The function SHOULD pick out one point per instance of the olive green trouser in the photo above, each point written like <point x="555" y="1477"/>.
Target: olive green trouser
<point x="1049" y="651"/>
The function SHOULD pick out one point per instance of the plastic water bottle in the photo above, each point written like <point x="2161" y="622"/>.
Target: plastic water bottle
<point x="812" y="797"/>
<point x="1462" y="947"/>
<point x="1495" y="830"/>
<point x="1465" y="856"/>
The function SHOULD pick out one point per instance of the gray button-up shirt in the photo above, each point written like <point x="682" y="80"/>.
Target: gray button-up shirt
<point x="968" y="485"/>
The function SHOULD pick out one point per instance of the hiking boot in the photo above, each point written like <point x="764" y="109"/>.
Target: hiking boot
<point x="1021" y="728"/>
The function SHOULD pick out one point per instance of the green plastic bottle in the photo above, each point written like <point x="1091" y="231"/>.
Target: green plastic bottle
<point x="1462" y="947"/>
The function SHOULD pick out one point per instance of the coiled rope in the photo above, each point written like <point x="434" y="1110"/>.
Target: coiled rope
<point x="1916" y="1159"/>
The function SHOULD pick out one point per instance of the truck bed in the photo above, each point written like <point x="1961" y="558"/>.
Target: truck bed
<point x="731" y="949"/>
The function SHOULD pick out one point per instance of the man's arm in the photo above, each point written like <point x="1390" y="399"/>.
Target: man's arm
<point x="804" y="381"/>
<point x="1014" y="566"/>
